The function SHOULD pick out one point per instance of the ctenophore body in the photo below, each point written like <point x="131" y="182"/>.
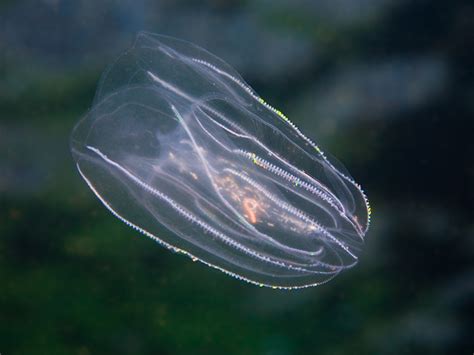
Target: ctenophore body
<point x="180" y="148"/>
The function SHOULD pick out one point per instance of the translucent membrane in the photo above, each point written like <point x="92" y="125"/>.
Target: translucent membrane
<point x="178" y="147"/>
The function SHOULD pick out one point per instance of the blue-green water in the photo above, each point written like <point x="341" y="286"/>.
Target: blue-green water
<point x="385" y="86"/>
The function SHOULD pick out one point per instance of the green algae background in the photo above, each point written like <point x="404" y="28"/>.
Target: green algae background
<point x="385" y="86"/>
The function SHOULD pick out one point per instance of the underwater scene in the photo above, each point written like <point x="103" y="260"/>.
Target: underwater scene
<point x="240" y="177"/>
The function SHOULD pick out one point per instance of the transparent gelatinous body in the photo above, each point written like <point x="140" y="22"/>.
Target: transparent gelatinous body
<point x="178" y="147"/>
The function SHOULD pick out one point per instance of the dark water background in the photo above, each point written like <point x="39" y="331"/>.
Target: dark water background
<point x="387" y="86"/>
